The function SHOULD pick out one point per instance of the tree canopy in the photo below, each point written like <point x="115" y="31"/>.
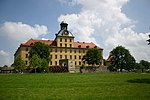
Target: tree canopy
<point x="39" y="56"/>
<point x="18" y="64"/>
<point x="35" y="62"/>
<point x="145" y="64"/>
<point x="93" y="56"/>
<point x="5" y="66"/>
<point x="41" y="50"/>
<point x="121" y="59"/>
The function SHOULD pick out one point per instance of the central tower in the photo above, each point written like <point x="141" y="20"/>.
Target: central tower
<point x="64" y="38"/>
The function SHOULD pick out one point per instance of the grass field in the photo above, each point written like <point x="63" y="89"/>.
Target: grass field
<point x="64" y="86"/>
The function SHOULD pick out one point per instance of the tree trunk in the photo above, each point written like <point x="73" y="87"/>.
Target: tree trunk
<point x="35" y="70"/>
<point x="120" y="69"/>
<point x="142" y="70"/>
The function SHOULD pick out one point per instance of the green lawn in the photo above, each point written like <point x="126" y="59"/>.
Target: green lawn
<point x="62" y="86"/>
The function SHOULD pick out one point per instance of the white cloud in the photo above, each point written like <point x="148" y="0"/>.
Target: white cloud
<point x="4" y="58"/>
<point x="3" y="53"/>
<point x="45" y="39"/>
<point x="12" y="34"/>
<point x="21" y="32"/>
<point x="103" y="22"/>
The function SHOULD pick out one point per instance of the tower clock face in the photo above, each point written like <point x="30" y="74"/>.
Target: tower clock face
<point x="66" y="33"/>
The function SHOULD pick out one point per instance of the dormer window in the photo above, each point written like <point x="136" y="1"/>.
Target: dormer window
<point x="79" y="46"/>
<point x="31" y="44"/>
<point x="87" y="46"/>
<point x="95" y="47"/>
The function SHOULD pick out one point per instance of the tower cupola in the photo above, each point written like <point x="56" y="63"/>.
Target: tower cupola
<point x="63" y="25"/>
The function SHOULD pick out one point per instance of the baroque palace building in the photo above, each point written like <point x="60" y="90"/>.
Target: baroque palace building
<point x="62" y="48"/>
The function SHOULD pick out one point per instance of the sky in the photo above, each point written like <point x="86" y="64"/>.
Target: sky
<point x="107" y="23"/>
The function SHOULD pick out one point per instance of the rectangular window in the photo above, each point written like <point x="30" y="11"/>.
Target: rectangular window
<point x="65" y="40"/>
<point x="70" y="50"/>
<point x="51" y="62"/>
<point x="55" y="50"/>
<point x="55" y="62"/>
<point x="50" y="49"/>
<point x="75" y="63"/>
<point x="70" y="40"/>
<point x="26" y="48"/>
<point x="60" y="44"/>
<point x="60" y="50"/>
<point x="26" y="55"/>
<point x="84" y="62"/>
<point x="83" y="51"/>
<point x="79" y="57"/>
<point x="65" y="56"/>
<point x="75" y="51"/>
<point x="70" y="45"/>
<point x="55" y="56"/>
<point x="74" y="56"/>
<point x="70" y="56"/>
<point x="79" y="51"/>
<point x="26" y="62"/>
<point x="51" y="56"/>
<point x="60" y="39"/>
<point x="79" y="62"/>
<point x="65" y="45"/>
<point x="65" y="50"/>
<point x="60" y="56"/>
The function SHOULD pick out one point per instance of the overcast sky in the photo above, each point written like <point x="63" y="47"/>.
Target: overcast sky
<point x="107" y="23"/>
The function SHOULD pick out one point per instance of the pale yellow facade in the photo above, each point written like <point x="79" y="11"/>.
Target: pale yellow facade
<point x="56" y="54"/>
<point x="63" y="48"/>
<point x="67" y="53"/>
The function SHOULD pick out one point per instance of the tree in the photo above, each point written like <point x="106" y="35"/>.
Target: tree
<point x="122" y="59"/>
<point x="39" y="56"/>
<point x="146" y="64"/>
<point x="93" y="56"/>
<point x="138" y="67"/>
<point x="41" y="50"/>
<point x="44" y="65"/>
<point x="5" y="66"/>
<point x="35" y="62"/>
<point x="19" y="65"/>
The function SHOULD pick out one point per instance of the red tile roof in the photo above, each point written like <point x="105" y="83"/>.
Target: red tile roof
<point x="31" y="41"/>
<point x="53" y="44"/>
<point x="109" y="58"/>
<point x="85" y="45"/>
